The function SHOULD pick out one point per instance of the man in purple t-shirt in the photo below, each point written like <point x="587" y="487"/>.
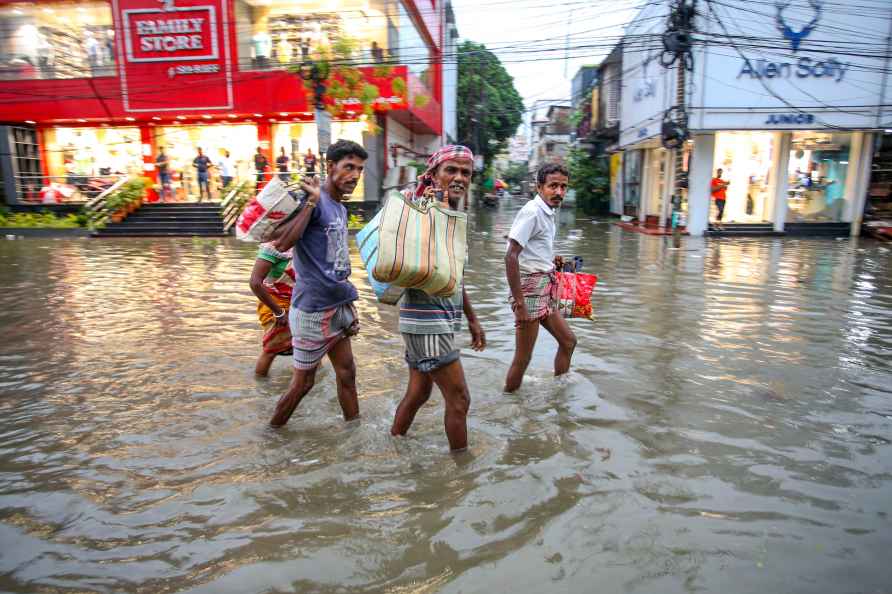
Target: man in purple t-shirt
<point x="322" y="317"/>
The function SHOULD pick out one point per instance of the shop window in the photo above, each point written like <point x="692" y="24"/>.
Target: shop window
<point x="56" y="40"/>
<point x="301" y="139"/>
<point x="76" y="156"/>
<point x="413" y="50"/>
<point x="745" y="159"/>
<point x="181" y="144"/>
<point x="26" y="162"/>
<point x="818" y="169"/>
<point x="632" y="182"/>
<point x="283" y="33"/>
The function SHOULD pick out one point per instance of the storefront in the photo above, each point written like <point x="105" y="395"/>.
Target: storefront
<point x="791" y="128"/>
<point x="97" y="88"/>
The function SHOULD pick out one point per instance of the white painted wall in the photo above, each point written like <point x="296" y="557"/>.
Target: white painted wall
<point x="648" y="89"/>
<point x="699" y="179"/>
<point x="819" y="84"/>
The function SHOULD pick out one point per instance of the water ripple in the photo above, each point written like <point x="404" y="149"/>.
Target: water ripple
<point x="726" y="425"/>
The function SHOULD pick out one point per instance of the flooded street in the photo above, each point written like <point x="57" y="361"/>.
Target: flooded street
<point x="726" y="426"/>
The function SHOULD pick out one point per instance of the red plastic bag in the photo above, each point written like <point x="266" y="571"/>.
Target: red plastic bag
<point x="576" y="294"/>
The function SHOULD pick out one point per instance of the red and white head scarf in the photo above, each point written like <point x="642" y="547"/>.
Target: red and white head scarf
<point x="450" y="152"/>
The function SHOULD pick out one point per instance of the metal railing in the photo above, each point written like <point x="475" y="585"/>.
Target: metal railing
<point x="231" y="206"/>
<point x="72" y="188"/>
<point x="96" y="207"/>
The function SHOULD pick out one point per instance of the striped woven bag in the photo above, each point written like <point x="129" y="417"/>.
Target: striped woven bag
<point x="421" y="246"/>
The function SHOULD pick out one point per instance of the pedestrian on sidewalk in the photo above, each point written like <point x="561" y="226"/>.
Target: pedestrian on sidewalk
<point x="322" y="317"/>
<point x="260" y="165"/>
<point x="227" y="170"/>
<point x="162" y="162"/>
<point x="282" y="165"/>
<point x="530" y="266"/>
<point x="718" y="189"/>
<point x="201" y="164"/>
<point x="429" y="324"/>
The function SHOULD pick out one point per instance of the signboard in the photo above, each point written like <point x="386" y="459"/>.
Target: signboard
<point x="173" y="55"/>
<point x="819" y="65"/>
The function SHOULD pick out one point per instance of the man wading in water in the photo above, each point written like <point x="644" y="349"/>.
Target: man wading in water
<point x="530" y="267"/>
<point x="428" y="324"/>
<point x="322" y="317"/>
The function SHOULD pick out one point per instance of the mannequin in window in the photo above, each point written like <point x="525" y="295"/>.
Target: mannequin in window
<point x="45" y="56"/>
<point x="93" y="51"/>
<point x="284" y="49"/>
<point x="261" y="48"/>
<point x="109" y="47"/>
<point x="377" y="53"/>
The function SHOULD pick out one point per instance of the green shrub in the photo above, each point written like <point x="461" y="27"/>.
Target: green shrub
<point x="40" y="220"/>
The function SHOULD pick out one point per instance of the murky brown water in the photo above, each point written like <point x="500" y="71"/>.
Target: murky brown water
<point x="726" y="427"/>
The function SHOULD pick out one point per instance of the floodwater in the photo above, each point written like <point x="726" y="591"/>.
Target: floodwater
<point x="727" y="426"/>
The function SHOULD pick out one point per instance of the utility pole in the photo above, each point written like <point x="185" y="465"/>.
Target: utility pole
<point x="678" y="182"/>
<point x="677" y="50"/>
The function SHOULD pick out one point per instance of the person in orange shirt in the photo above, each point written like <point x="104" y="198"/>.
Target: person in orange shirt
<point x="717" y="188"/>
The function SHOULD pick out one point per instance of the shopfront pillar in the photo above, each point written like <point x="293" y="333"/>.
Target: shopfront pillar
<point x="861" y="162"/>
<point x="646" y="181"/>
<point x="44" y="156"/>
<point x="699" y="183"/>
<point x="668" y="187"/>
<point x="148" y="152"/>
<point x="780" y="163"/>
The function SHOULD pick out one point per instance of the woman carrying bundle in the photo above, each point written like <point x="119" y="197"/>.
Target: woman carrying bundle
<point x="272" y="280"/>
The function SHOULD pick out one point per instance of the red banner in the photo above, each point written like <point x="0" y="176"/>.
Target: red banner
<point x="174" y="55"/>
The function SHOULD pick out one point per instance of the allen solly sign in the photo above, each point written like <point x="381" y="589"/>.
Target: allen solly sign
<point x="805" y="67"/>
<point x="175" y="54"/>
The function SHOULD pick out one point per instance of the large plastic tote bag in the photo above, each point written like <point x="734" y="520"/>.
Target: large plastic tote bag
<point x="264" y="212"/>
<point x="367" y="241"/>
<point x="422" y="245"/>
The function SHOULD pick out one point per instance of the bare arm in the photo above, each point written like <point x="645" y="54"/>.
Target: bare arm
<point x="478" y="337"/>
<point x="286" y="235"/>
<point x="512" y="271"/>
<point x="258" y="273"/>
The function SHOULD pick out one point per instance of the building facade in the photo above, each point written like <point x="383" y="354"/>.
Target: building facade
<point x="550" y="137"/>
<point x="786" y="99"/>
<point x="103" y="85"/>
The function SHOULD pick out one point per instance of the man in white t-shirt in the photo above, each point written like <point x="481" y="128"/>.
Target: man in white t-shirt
<point x="530" y="267"/>
<point x="227" y="169"/>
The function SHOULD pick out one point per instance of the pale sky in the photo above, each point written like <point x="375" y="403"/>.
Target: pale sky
<point x="530" y="37"/>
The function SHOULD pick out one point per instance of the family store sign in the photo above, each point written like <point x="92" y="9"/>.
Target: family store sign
<point x="168" y="40"/>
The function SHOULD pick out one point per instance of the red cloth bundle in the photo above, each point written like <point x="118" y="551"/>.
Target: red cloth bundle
<point x="576" y="294"/>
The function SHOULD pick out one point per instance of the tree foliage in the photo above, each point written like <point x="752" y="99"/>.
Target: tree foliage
<point x="348" y="91"/>
<point x="590" y="177"/>
<point x="489" y="107"/>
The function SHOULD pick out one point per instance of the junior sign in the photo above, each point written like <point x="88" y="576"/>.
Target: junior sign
<point x="174" y="42"/>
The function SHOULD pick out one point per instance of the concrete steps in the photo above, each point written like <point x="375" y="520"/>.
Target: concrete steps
<point x="169" y="220"/>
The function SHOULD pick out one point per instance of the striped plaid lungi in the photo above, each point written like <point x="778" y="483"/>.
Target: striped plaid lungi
<point x="541" y="294"/>
<point x="313" y="334"/>
<point x="429" y="352"/>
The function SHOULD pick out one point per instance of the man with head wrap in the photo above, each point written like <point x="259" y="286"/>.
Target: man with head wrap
<point x="428" y="324"/>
